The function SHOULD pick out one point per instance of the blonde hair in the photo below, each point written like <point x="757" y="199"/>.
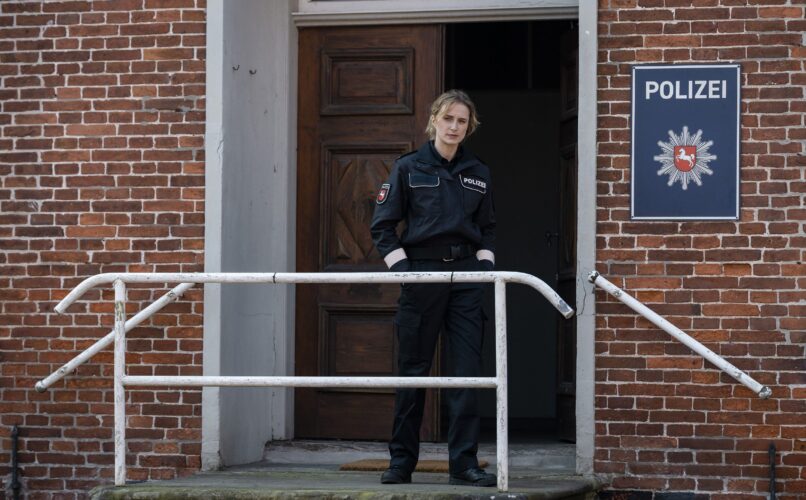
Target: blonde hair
<point x="442" y="102"/>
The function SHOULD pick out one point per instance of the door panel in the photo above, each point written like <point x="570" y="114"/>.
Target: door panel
<point x="372" y="81"/>
<point x="364" y="94"/>
<point x="351" y="177"/>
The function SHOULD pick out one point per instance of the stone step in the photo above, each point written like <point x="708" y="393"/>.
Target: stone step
<point x="545" y="455"/>
<point x="267" y="481"/>
<point x="309" y="469"/>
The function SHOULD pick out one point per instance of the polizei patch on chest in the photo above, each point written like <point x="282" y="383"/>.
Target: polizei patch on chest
<point x="474" y="183"/>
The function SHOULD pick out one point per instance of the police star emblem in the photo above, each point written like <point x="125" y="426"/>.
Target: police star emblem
<point x="685" y="158"/>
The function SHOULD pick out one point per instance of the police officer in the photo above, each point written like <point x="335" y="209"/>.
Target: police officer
<point x="444" y="195"/>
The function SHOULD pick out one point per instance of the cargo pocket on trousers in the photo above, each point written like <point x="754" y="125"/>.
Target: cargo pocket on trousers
<point x="407" y="325"/>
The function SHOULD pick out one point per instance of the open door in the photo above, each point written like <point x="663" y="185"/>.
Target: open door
<point x="566" y="259"/>
<point x="364" y="95"/>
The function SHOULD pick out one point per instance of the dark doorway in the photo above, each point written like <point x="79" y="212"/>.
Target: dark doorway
<point x="514" y="73"/>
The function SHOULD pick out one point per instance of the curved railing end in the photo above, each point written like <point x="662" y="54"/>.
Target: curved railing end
<point x="549" y="293"/>
<point x="566" y="310"/>
<point x="81" y="289"/>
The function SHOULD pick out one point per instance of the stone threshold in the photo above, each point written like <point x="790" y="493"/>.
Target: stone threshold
<point x="310" y="469"/>
<point x="304" y="481"/>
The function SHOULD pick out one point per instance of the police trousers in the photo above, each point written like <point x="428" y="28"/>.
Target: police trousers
<point x="425" y="309"/>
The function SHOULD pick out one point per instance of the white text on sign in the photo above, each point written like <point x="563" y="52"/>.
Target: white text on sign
<point x="691" y="89"/>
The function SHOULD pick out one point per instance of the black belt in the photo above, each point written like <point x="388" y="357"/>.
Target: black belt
<point x="444" y="252"/>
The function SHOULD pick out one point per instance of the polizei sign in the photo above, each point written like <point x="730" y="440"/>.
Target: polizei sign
<point x="685" y="142"/>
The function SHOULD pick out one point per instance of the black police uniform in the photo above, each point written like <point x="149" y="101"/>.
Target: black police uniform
<point x="448" y="210"/>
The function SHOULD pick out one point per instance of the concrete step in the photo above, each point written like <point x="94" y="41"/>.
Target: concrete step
<point x="542" y="455"/>
<point x="542" y="469"/>
<point x="268" y="481"/>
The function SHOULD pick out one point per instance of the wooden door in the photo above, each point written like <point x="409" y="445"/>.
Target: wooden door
<point x="364" y="97"/>
<point x="566" y="261"/>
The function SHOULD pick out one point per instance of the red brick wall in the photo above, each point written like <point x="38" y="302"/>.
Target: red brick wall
<point x="101" y="169"/>
<point x="666" y="420"/>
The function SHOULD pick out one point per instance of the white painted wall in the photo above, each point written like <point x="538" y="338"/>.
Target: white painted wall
<point x="210" y="458"/>
<point x="356" y="12"/>
<point x="586" y="236"/>
<point x="257" y="223"/>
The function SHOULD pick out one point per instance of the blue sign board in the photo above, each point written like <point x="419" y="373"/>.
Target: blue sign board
<point x="685" y="142"/>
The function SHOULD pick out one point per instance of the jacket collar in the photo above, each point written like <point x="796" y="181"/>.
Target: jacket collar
<point x="428" y="155"/>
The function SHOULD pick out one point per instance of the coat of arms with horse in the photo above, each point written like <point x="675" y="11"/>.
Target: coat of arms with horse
<point x="685" y="158"/>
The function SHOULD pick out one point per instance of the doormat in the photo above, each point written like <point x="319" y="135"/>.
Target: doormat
<point x="383" y="464"/>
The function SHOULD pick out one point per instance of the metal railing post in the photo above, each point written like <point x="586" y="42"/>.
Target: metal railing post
<point x="120" y="371"/>
<point x="502" y="415"/>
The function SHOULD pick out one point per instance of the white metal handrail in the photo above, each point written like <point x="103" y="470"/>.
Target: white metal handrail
<point x="98" y="346"/>
<point x="121" y="380"/>
<point x="762" y="390"/>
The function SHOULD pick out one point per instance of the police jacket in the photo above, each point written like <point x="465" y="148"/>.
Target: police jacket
<point x="442" y="202"/>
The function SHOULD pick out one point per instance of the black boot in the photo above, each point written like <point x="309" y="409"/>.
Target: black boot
<point x="395" y="475"/>
<point x="473" y="477"/>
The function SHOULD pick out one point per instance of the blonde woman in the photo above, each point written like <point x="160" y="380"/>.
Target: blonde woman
<point x="444" y="194"/>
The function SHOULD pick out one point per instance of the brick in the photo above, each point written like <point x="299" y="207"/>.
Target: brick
<point x="117" y="206"/>
<point x="90" y="130"/>
<point x="167" y="53"/>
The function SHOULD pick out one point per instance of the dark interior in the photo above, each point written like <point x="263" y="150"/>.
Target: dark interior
<point x="512" y="72"/>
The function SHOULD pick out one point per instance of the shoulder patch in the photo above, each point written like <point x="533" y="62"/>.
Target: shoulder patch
<point x="383" y="194"/>
<point x="474" y="183"/>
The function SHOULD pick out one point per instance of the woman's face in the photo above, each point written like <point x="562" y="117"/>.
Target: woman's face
<point x="451" y="124"/>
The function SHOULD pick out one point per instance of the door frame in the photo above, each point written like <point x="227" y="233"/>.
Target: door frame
<point x="222" y="42"/>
